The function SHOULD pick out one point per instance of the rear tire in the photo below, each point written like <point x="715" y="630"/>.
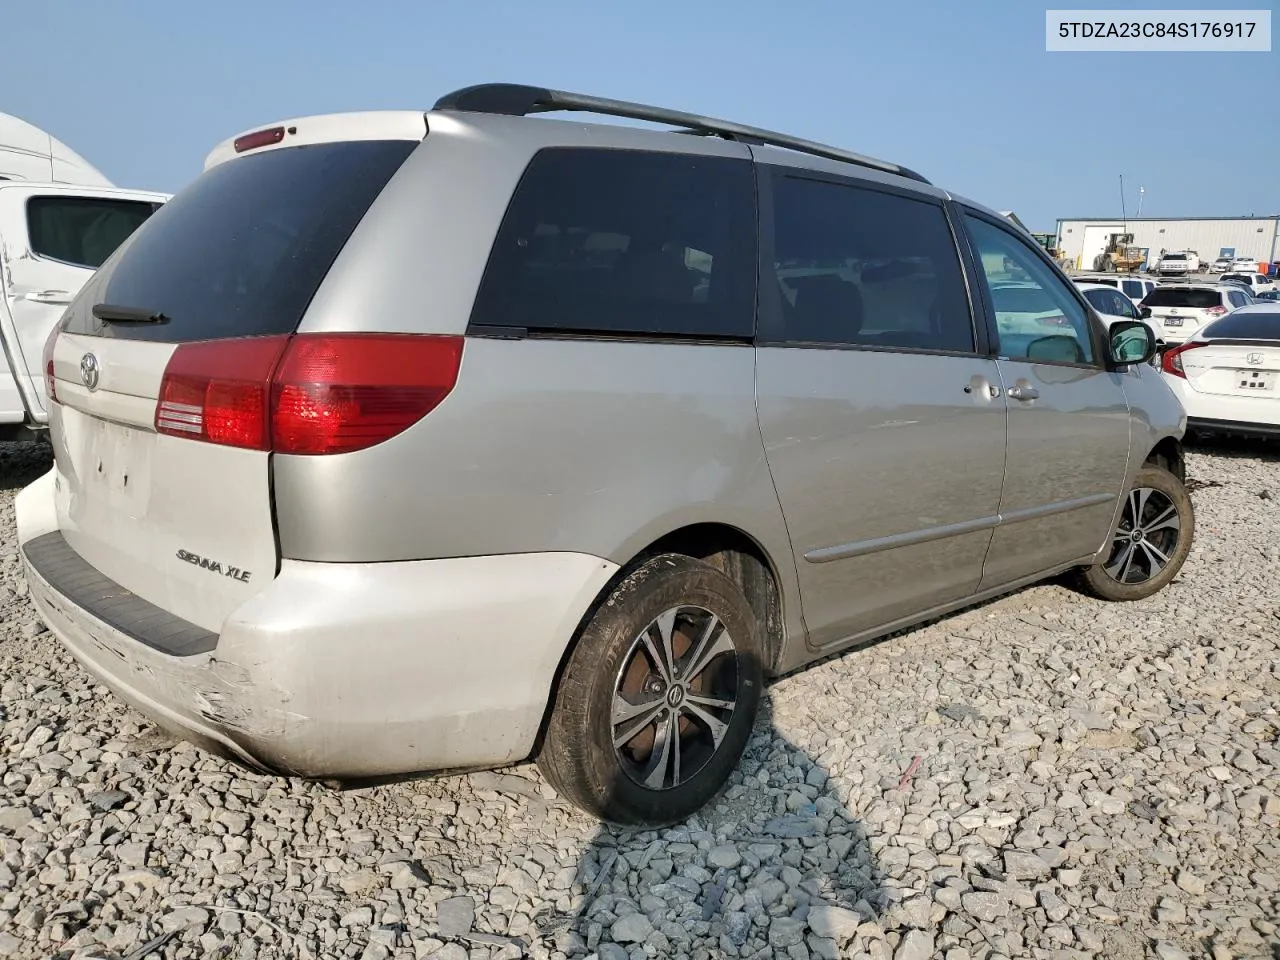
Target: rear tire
<point x="1151" y="542"/>
<point x="658" y="697"/>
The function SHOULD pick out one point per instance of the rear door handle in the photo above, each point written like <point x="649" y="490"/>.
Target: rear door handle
<point x="1023" y="391"/>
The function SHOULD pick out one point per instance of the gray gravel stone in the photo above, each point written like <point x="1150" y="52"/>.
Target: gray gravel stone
<point x="455" y="916"/>
<point x="985" y="906"/>
<point x="915" y="945"/>
<point x="835" y="923"/>
<point x="633" y="928"/>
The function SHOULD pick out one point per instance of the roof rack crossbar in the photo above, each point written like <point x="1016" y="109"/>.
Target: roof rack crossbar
<point x="518" y="100"/>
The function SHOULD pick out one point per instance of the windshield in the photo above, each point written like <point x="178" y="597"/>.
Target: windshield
<point x="1175" y="256"/>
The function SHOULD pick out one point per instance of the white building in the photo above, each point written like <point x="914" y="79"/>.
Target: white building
<point x="1210" y="237"/>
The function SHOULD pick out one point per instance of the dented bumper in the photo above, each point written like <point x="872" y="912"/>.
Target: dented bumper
<point x="349" y="671"/>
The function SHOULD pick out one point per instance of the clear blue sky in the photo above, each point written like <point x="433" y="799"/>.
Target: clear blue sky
<point x="964" y="93"/>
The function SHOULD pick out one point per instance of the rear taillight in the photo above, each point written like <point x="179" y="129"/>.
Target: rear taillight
<point x="46" y="360"/>
<point x="305" y="394"/>
<point x="1171" y="362"/>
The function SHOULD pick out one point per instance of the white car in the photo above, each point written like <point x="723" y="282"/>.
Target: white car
<point x="1178" y="263"/>
<point x="1112" y="306"/>
<point x="1133" y="287"/>
<point x="1221" y="265"/>
<point x="1228" y="375"/>
<point x="1243" y="265"/>
<point x="1256" y="282"/>
<point x="1179" y="310"/>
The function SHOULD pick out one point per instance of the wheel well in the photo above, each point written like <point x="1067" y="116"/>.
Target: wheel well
<point x="1168" y="454"/>
<point x="744" y="562"/>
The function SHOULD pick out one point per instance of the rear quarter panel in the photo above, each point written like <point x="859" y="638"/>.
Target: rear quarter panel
<point x="595" y="447"/>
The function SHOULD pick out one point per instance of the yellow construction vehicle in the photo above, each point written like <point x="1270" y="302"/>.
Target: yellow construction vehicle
<point x="1120" y="256"/>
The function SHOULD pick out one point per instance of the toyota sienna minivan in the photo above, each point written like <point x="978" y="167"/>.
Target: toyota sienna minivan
<point x="418" y="441"/>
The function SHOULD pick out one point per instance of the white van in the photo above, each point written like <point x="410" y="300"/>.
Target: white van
<point x="29" y="153"/>
<point x="60" y="218"/>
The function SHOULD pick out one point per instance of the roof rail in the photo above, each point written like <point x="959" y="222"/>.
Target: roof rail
<point x="518" y="100"/>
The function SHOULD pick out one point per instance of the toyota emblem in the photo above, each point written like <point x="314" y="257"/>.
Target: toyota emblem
<point x="89" y="371"/>
<point x="1255" y="358"/>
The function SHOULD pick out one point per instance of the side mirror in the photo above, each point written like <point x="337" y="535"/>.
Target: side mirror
<point x="1144" y="313"/>
<point x="1129" y="342"/>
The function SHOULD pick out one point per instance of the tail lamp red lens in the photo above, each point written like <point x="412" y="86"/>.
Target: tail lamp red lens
<point x="46" y="361"/>
<point x="1171" y="362"/>
<point x="307" y="393"/>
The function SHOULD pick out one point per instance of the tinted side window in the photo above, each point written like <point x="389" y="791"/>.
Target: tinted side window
<point x="1133" y="288"/>
<point x="1120" y="306"/>
<point x="83" y="231"/>
<point x="1037" y="317"/>
<point x="857" y="266"/>
<point x="623" y="241"/>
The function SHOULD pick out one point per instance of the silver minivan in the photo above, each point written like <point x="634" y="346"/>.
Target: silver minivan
<point x="407" y="442"/>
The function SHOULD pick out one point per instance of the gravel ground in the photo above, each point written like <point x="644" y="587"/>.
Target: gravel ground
<point x="1043" y="776"/>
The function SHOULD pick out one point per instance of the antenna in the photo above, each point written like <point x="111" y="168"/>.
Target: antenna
<point x="1124" y="217"/>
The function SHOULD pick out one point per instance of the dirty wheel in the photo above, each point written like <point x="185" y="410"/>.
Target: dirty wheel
<point x="1151" y="540"/>
<point x="658" y="697"/>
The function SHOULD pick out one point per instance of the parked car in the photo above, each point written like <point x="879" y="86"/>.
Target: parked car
<point x="1178" y="264"/>
<point x="584" y="483"/>
<point x="1133" y="287"/>
<point x="54" y="236"/>
<point x="1179" y="310"/>
<point x="1114" y="307"/>
<point x="1228" y="375"/>
<point x="1227" y="284"/>
<point x="1256" y="282"/>
<point x="1244" y="265"/>
<point x="1221" y="265"/>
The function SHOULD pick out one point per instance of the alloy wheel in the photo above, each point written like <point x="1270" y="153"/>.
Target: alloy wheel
<point x="1146" y="537"/>
<point x="674" y="697"/>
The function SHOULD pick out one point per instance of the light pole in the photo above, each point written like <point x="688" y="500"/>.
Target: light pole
<point x="1141" y="191"/>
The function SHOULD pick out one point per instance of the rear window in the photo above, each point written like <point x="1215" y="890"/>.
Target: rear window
<point x="241" y="251"/>
<point x="82" y="231"/>
<point x="1173" y="297"/>
<point x="1175" y="256"/>
<point x="625" y="242"/>
<point x="1249" y="325"/>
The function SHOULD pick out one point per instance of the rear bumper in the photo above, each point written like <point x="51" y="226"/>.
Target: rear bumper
<point x="1234" y="428"/>
<point x="350" y="671"/>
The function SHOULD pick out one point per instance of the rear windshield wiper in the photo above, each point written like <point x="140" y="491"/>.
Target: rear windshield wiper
<point x="109" y="313"/>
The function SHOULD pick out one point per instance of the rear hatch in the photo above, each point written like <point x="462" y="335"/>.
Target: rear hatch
<point x="1239" y="358"/>
<point x="163" y="370"/>
<point x="1178" y="312"/>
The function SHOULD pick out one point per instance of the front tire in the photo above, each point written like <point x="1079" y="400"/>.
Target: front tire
<point x="658" y="697"/>
<point x="1151" y="541"/>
